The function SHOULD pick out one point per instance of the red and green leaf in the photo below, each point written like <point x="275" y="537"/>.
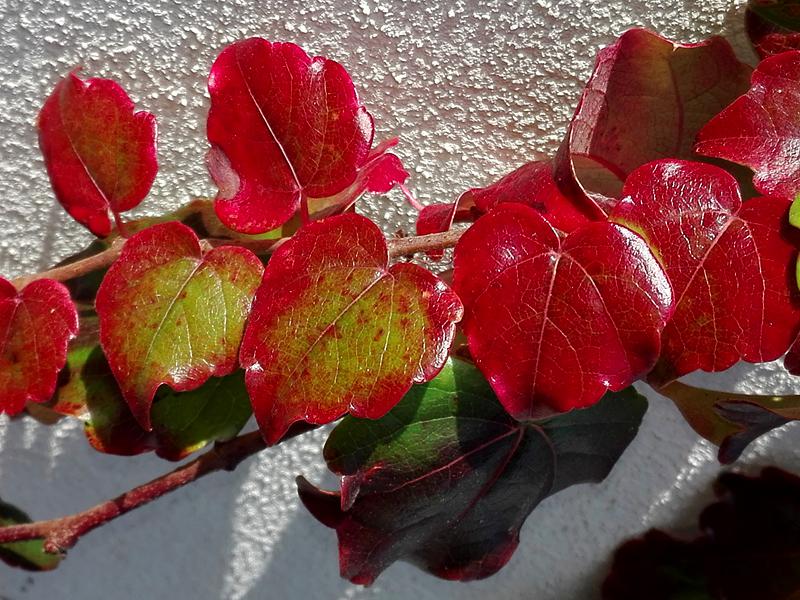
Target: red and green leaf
<point x="334" y="329"/>
<point x="285" y="128"/>
<point x="646" y="99"/>
<point x="773" y="26"/>
<point x="171" y="314"/>
<point x="761" y="129"/>
<point x="36" y="325"/>
<point x="30" y="554"/>
<point x="447" y="478"/>
<point x="554" y="323"/>
<point x="99" y="153"/>
<point x="730" y="265"/>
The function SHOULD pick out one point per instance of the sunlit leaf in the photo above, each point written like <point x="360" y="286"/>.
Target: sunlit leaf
<point x="447" y="478"/>
<point x="30" y="554"/>
<point x="171" y="314"/>
<point x="100" y="154"/>
<point x="334" y="329"/>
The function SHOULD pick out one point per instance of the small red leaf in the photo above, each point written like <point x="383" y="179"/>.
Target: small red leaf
<point x="36" y="326"/>
<point x="282" y="126"/>
<point x="730" y="264"/>
<point x="438" y="218"/>
<point x="761" y="129"/>
<point x="553" y="324"/>
<point x="334" y="330"/>
<point x="170" y="314"/>
<point x="647" y="99"/>
<point x="99" y="153"/>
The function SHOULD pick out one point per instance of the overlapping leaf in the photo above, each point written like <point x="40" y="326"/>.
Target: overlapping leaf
<point x="761" y="129"/>
<point x="553" y="324"/>
<point x="730" y="265"/>
<point x="36" y="325"/>
<point x="773" y="25"/>
<point x="99" y="153"/>
<point x="30" y="554"/>
<point x="748" y="548"/>
<point x="285" y="127"/>
<point x="334" y="330"/>
<point x="170" y="314"/>
<point x="647" y="99"/>
<point x="447" y="478"/>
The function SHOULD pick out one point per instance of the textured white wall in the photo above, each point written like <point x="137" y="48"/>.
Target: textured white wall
<point x="473" y="89"/>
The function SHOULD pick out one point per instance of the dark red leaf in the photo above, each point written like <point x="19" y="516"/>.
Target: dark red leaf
<point x="283" y="127"/>
<point x="99" y="153"/>
<point x="647" y="99"/>
<point x="333" y="329"/>
<point x="731" y="265"/>
<point x="773" y="26"/>
<point x="36" y="326"/>
<point x="553" y="324"/>
<point x="761" y="129"/>
<point x="170" y="314"/>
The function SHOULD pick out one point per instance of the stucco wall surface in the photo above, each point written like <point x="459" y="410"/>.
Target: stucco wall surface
<point x="473" y="89"/>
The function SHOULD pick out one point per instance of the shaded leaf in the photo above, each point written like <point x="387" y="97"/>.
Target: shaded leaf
<point x="285" y="127"/>
<point x="447" y="478"/>
<point x="761" y="129"/>
<point x="748" y="548"/>
<point x="731" y="421"/>
<point x="555" y="323"/>
<point x="334" y="330"/>
<point x="28" y="555"/>
<point x="170" y="314"/>
<point x="99" y="153"/>
<point x="773" y="26"/>
<point x="36" y="325"/>
<point x="731" y="265"/>
<point x="646" y="99"/>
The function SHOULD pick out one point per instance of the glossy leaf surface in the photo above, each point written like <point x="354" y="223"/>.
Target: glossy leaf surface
<point x="334" y="330"/>
<point x="748" y="548"/>
<point x="773" y="26"/>
<point x="646" y="99"/>
<point x="99" y="153"/>
<point x="282" y="126"/>
<point x="170" y="314"/>
<point x="447" y="478"/>
<point x="555" y="323"/>
<point x="36" y="325"/>
<point x="28" y="555"/>
<point x="761" y="129"/>
<point x="730" y="265"/>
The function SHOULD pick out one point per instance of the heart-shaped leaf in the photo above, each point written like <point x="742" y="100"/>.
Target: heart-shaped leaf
<point x="283" y="127"/>
<point x="170" y="314"/>
<point x="28" y="555"/>
<point x="553" y="324"/>
<point x="761" y="129"/>
<point x="773" y="26"/>
<point x="748" y="548"/>
<point x="36" y="326"/>
<point x="730" y="265"/>
<point x="99" y="153"/>
<point x="646" y="99"/>
<point x="731" y="421"/>
<point x="447" y="478"/>
<point x="334" y="330"/>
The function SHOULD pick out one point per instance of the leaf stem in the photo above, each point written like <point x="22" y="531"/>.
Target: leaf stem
<point x="397" y="247"/>
<point x="410" y="198"/>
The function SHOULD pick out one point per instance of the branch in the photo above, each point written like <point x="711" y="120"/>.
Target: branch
<point x="398" y="247"/>
<point x="63" y="533"/>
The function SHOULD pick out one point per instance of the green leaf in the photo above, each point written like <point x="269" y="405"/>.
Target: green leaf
<point x="446" y="479"/>
<point x="28" y="555"/>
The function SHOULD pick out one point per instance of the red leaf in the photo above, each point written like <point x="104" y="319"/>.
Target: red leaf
<point x="99" y="153"/>
<point x="334" y="330"/>
<point x="438" y="218"/>
<point x="170" y="314"/>
<point x="647" y="99"/>
<point x="553" y="324"/>
<point x="773" y="26"/>
<point x="282" y="126"/>
<point x="731" y="265"/>
<point x="761" y="129"/>
<point x="36" y="326"/>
